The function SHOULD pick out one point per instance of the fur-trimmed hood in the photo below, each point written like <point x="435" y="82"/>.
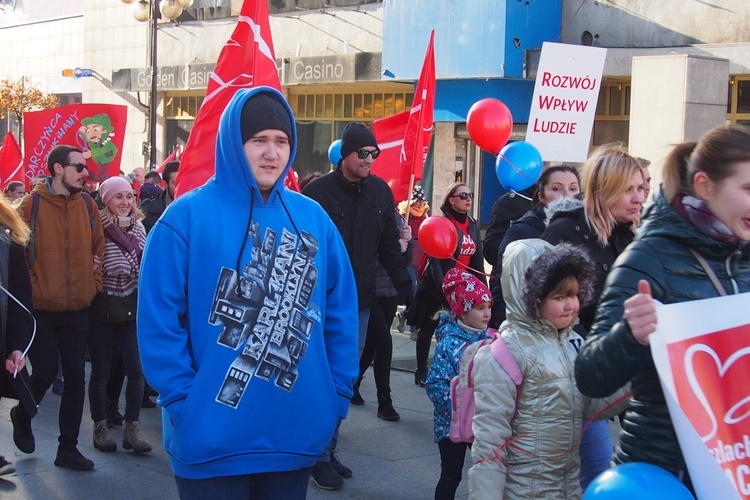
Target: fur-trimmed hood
<point x="550" y="268"/>
<point x="562" y="205"/>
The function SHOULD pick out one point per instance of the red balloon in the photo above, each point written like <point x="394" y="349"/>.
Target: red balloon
<point x="489" y="124"/>
<point x="438" y="237"/>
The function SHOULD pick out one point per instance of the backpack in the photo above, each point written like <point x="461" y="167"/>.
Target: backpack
<point x="462" y="385"/>
<point x="34" y="211"/>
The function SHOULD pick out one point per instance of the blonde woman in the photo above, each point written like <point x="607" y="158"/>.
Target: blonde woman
<point x="112" y="315"/>
<point x="604" y="224"/>
<point x="17" y="325"/>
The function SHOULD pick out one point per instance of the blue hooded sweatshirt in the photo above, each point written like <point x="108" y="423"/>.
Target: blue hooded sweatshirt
<point x="247" y="320"/>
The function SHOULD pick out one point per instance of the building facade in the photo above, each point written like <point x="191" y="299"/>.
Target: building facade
<point x="346" y="60"/>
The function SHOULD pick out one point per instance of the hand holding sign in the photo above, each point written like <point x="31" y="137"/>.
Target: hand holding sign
<point x="640" y="313"/>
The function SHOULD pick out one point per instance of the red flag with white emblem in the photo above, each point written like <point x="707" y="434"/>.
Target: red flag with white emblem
<point x="247" y="60"/>
<point x="11" y="162"/>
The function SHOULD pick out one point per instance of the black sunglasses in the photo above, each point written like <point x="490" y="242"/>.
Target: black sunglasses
<point x="78" y="166"/>
<point x="464" y="196"/>
<point x="362" y="153"/>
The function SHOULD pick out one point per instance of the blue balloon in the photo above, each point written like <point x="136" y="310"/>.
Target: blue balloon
<point x="636" y="481"/>
<point x="334" y="152"/>
<point x="518" y="166"/>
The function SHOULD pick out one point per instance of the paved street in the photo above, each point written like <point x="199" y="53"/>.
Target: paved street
<point x="389" y="459"/>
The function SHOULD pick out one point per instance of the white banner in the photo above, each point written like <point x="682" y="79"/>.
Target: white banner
<point x="564" y="102"/>
<point x="701" y="350"/>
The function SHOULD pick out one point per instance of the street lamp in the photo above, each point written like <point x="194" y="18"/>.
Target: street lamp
<point x="146" y="10"/>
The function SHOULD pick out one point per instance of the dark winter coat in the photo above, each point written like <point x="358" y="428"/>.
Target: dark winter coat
<point x="152" y="209"/>
<point x="531" y="225"/>
<point x="567" y="224"/>
<point x="363" y="214"/>
<point x="429" y="298"/>
<point x="508" y="208"/>
<point x="611" y="356"/>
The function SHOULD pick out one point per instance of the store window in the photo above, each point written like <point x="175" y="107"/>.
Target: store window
<point x="738" y="102"/>
<point x="612" y="120"/>
<point x="321" y="119"/>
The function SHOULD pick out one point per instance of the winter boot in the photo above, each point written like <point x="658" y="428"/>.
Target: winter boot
<point x="102" y="441"/>
<point x="357" y="399"/>
<point x="112" y="410"/>
<point x="131" y="439"/>
<point x="385" y="407"/>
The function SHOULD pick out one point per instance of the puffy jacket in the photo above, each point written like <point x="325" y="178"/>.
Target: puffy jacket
<point x="452" y="341"/>
<point x="567" y="224"/>
<point x="67" y="273"/>
<point x="543" y="460"/>
<point x="152" y="209"/>
<point x="531" y="225"/>
<point x="612" y="357"/>
<point x="429" y="298"/>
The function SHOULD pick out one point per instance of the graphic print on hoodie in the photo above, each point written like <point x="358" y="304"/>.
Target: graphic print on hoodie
<point x="267" y="312"/>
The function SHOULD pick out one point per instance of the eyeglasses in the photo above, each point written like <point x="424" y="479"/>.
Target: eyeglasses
<point x="362" y="153"/>
<point x="464" y="196"/>
<point x="78" y="166"/>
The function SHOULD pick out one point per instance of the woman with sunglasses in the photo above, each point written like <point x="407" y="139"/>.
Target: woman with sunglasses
<point x="468" y="255"/>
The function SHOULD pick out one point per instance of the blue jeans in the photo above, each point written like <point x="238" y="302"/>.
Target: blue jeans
<point x="595" y="452"/>
<point x="290" y="485"/>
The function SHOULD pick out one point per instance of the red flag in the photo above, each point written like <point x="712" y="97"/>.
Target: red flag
<point x="389" y="132"/>
<point x="247" y="60"/>
<point x="417" y="132"/>
<point x="11" y="162"/>
<point x="97" y="129"/>
<point x="169" y="158"/>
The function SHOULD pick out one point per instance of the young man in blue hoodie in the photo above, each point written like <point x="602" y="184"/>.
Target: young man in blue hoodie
<point x="246" y="333"/>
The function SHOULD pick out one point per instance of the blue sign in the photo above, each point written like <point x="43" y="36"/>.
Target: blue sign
<point x="82" y="72"/>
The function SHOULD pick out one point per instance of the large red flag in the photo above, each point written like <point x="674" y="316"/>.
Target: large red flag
<point x="169" y="158"/>
<point x="417" y="132"/>
<point x="247" y="60"/>
<point x="11" y="162"/>
<point x="389" y="132"/>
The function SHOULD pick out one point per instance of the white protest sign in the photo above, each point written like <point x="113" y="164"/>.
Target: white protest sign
<point x="564" y="102"/>
<point x="701" y="350"/>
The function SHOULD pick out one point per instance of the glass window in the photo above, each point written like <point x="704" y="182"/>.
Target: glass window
<point x="615" y="100"/>
<point x="611" y="131"/>
<point x="601" y="102"/>
<point x="743" y="96"/>
<point x="313" y="140"/>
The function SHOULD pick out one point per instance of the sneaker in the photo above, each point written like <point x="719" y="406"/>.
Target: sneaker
<point x="58" y="386"/>
<point x="23" y="436"/>
<point x="342" y="469"/>
<point x="6" y="467"/>
<point x="401" y="324"/>
<point x="71" y="458"/>
<point x="325" y="477"/>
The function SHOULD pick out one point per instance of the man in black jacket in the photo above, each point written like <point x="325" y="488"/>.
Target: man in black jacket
<point x="361" y="206"/>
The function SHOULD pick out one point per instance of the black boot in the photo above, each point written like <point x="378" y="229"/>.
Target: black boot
<point x="357" y="399"/>
<point x="420" y="375"/>
<point x="385" y="407"/>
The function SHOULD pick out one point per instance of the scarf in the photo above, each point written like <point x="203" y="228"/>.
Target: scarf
<point x="457" y="216"/>
<point x="415" y="211"/>
<point x="696" y="212"/>
<point x="122" y="256"/>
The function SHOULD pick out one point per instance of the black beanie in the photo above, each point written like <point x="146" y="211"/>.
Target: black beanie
<point x="261" y="112"/>
<point x="356" y="136"/>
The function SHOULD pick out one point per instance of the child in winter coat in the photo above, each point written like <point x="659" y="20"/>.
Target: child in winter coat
<point x="470" y="304"/>
<point x="527" y="446"/>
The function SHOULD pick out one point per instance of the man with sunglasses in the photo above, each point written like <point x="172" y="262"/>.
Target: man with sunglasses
<point x="64" y="259"/>
<point x="361" y="206"/>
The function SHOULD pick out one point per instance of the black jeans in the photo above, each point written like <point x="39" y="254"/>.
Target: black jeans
<point x="452" y="456"/>
<point x="424" y="339"/>
<point x="379" y="343"/>
<point x="63" y="333"/>
<point x="104" y="338"/>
